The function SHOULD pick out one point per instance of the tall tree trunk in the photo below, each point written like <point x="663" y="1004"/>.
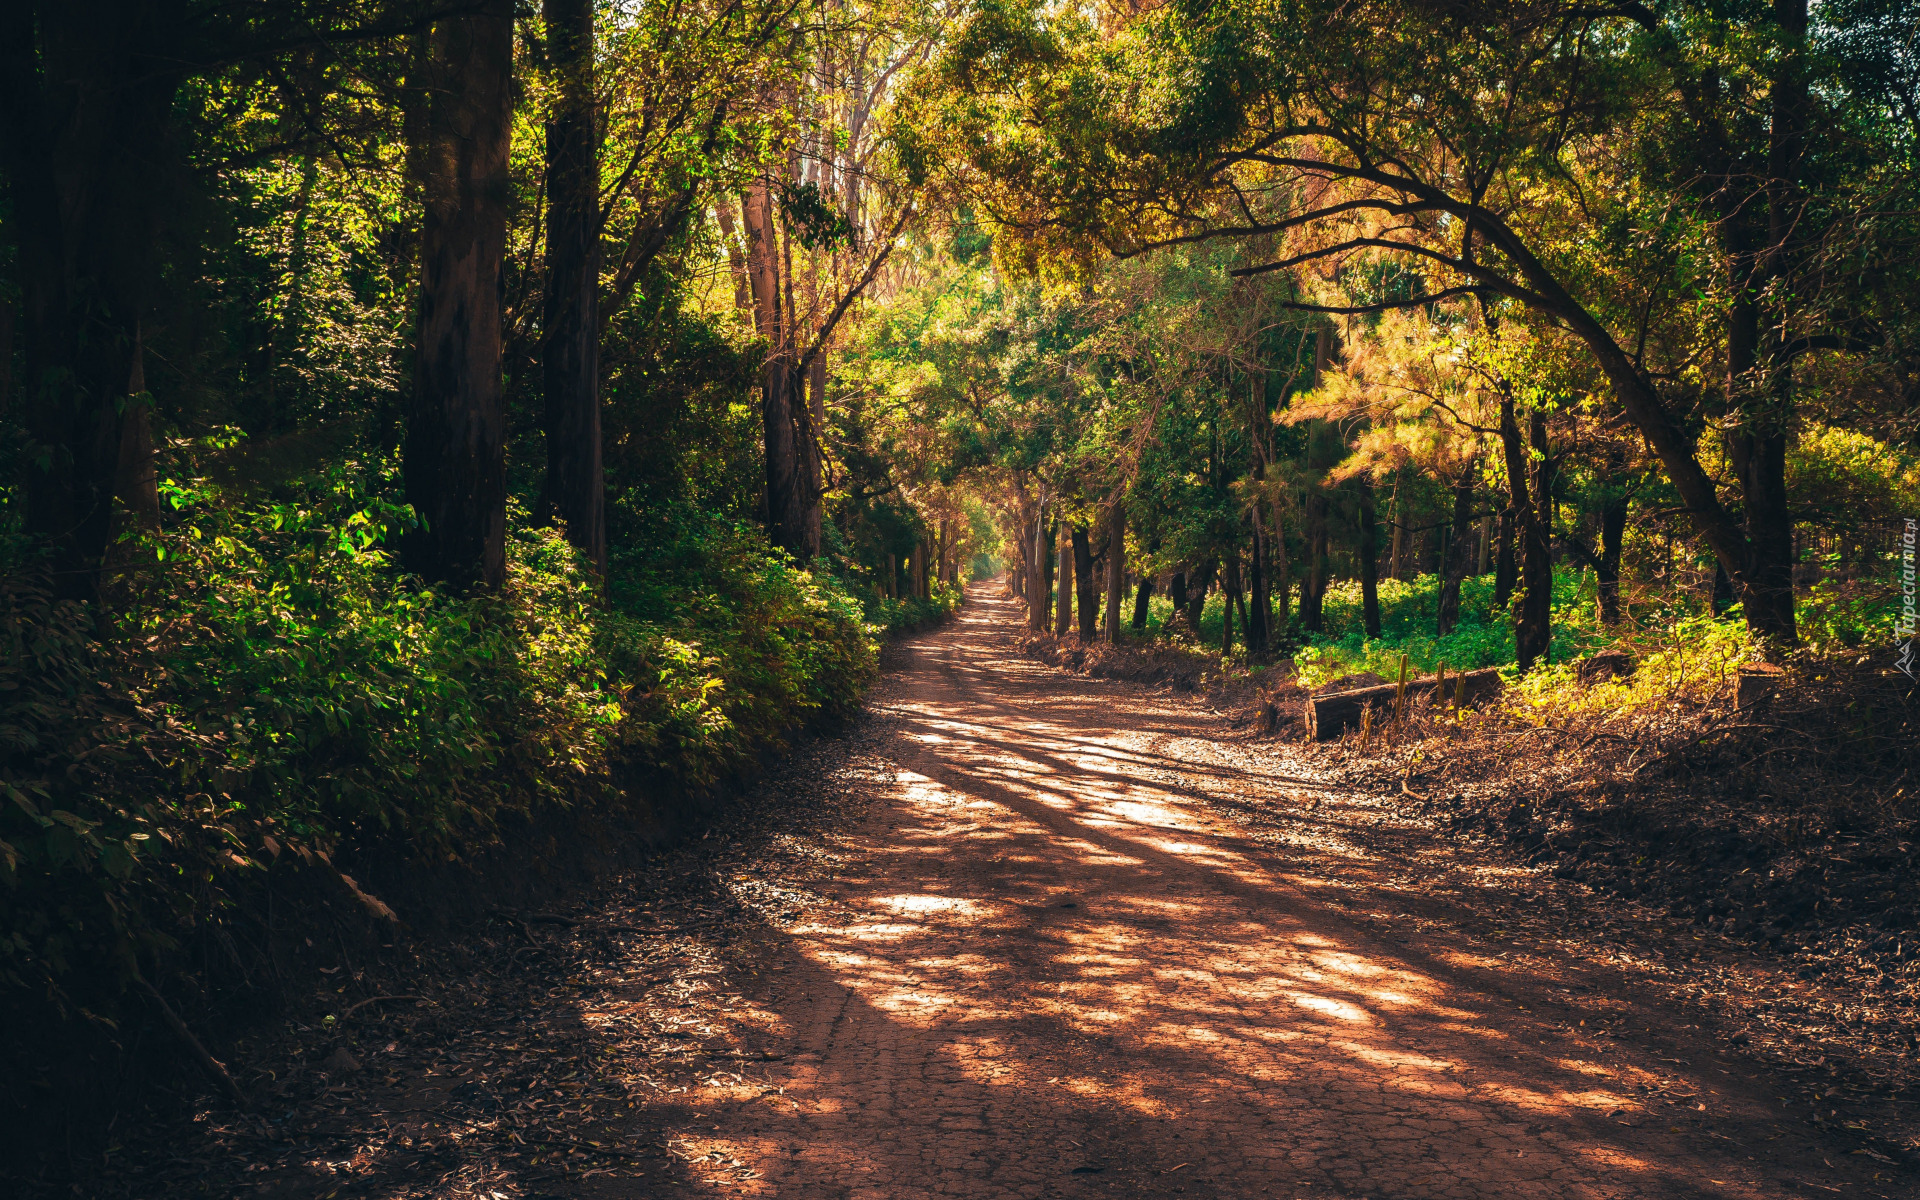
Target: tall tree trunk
<point x="1503" y="564"/>
<point x="736" y="257"/>
<point x="1606" y="570"/>
<point x="137" y="482"/>
<point x="576" y="492"/>
<point x="86" y="96"/>
<point x="1116" y="568"/>
<point x="1282" y="575"/>
<point x="1313" y="589"/>
<point x="1398" y="521"/>
<point x="1720" y="598"/>
<point x="1260" y="608"/>
<point x="1760" y="375"/>
<point x="1230" y="597"/>
<point x="1038" y="597"/>
<point x="455" y="457"/>
<point x="1369" y="554"/>
<point x="1087" y="590"/>
<point x="1047" y="597"/>
<point x="1177" y="595"/>
<point x="1142" y="604"/>
<point x="1063" y="586"/>
<point x="1533" y="602"/>
<point x="1485" y="544"/>
<point x="1197" y="585"/>
<point x="1459" y="552"/>
<point x="781" y="388"/>
<point x="809" y="436"/>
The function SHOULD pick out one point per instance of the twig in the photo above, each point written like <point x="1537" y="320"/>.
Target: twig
<point x="357" y="1006"/>
<point x="1703" y="736"/>
<point x="737" y="1055"/>
<point x="590" y="926"/>
<point x="536" y="1140"/>
<point x="208" y="1062"/>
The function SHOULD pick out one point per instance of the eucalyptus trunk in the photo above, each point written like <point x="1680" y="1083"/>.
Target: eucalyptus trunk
<point x="1606" y="570"/>
<point x="575" y="493"/>
<point x="1142" y="604"/>
<point x="1459" y="555"/>
<point x="455" y="462"/>
<point x="1369" y="555"/>
<point x="1086" y="588"/>
<point x="1063" y="586"/>
<point x="1530" y="483"/>
<point x="86" y="100"/>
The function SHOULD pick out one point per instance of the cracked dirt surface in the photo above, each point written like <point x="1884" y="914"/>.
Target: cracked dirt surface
<point x="1067" y="942"/>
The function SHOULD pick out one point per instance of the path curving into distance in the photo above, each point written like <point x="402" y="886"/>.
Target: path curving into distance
<point x="1069" y="971"/>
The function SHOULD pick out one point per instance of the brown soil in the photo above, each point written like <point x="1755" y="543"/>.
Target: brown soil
<point x="1026" y="934"/>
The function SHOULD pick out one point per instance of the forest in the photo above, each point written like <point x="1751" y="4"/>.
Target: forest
<point x="456" y="449"/>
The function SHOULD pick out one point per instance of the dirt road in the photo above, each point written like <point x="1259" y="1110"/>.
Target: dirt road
<point x="1023" y="934"/>
<point x="1069" y="970"/>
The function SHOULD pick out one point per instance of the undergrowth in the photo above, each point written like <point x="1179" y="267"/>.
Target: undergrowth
<point x="269" y="683"/>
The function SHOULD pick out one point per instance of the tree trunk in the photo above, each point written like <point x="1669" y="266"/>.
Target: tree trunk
<point x="1459" y="553"/>
<point x="455" y="456"/>
<point x="1369" y="555"/>
<point x="1613" y="527"/>
<point x="1398" y="521"/>
<point x="86" y="96"/>
<point x="1533" y="602"/>
<point x="1047" y="583"/>
<point x="1282" y="576"/>
<point x="575" y="492"/>
<point x="808" y="443"/>
<point x="1197" y="586"/>
<point x="781" y="388"/>
<point x="1260" y="606"/>
<point x="1116" y="568"/>
<point x="1503" y="565"/>
<point x="1086" y="589"/>
<point x="1063" y="586"/>
<point x="1142" y="604"/>
<point x="1720" y="598"/>
<point x="1230" y="597"/>
<point x="137" y="482"/>
<point x="1485" y="544"/>
<point x="1760" y="381"/>
<point x="1177" y="595"/>
<point x="1038" y="562"/>
<point x="1313" y="587"/>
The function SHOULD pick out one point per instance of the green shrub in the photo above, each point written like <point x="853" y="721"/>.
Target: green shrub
<point x="273" y="684"/>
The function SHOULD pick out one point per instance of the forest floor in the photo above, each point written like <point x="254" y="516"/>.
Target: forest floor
<point x="1023" y="933"/>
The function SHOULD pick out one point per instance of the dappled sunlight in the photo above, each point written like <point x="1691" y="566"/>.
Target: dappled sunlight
<point x="1050" y="940"/>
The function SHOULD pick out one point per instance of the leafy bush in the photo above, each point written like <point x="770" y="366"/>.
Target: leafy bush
<point x="275" y="686"/>
<point x="895" y="614"/>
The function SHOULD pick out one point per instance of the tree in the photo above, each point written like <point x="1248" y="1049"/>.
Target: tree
<point x="455" y="456"/>
<point x="108" y="127"/>
<point x="575" y="489"/>
<point x="1504" y="152"/>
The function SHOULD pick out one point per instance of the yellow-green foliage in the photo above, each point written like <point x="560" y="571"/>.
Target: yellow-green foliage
<point x="1838" y="471"/>
<point x="1692" y="659"/>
